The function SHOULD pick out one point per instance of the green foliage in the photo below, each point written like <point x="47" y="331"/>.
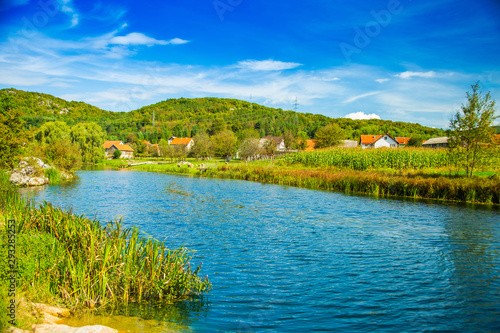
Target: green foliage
<point x="51" y="132"/>
<point x="249" y="147"/>
<point x="471" y="130"/>
<point x="203" y="147"/>
<point x="225" y="144"/>
<point x="329" y="136"/>
<point x="184" y="117"/>
<point x="11" y="132"/>
<point x="415" y="142"/>
<point x="89" y="137"/>
<point x="117" y="153"/>
<point x="54" y="176"/>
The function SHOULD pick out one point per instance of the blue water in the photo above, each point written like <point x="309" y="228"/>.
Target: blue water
<point x="284" y="259"/>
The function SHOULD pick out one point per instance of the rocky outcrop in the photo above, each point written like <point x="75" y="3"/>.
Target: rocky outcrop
<point x="26" y="173"/>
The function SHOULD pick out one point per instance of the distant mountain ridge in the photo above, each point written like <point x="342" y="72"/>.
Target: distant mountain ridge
<point x="184" y="117"/>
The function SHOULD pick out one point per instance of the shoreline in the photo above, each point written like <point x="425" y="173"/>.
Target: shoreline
<point x="379" y="184"/>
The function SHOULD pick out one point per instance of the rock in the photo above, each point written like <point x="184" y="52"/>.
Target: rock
<point x="36" y="161"/>
<point x="69" y="329"/>
<point x="52" y="310"/>
<point x="16" y="330"/>
<point x="18" y="179"/>
<point x="37" y="181"/>
<point x="27" y="171"/>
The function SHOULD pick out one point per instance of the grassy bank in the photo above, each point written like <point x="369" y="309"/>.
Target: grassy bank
<point x="414" y="173"/>
<point x="71" y="260"/>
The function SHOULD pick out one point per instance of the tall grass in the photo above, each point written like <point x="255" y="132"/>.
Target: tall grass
<point x="415" y="185"/>
<point x="54" y="176"/>
<point x="363" y="159"/>
<point x="89" y="265"/>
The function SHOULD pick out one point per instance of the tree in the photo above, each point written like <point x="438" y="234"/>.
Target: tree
<point x="328" y="136"/>
<point x="471" y="130"/>
<point x="290" y="141"/>
<point x="89" y="137"/>
<point x="11" y="132"/>
<point x="202" y="147"/>
<point x="414" y="142"/>
<point x="117" y="153"/>
<point x="225" y="144"/>
<point x="249" y="148"/>
<point x="51" y="132"/>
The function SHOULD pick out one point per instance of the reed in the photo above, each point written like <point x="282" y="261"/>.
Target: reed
<point x="89" y="265"/>
<point x="414" y="185"/>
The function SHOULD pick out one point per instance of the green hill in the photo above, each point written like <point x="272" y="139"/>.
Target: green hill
<point x="185" y="117"/>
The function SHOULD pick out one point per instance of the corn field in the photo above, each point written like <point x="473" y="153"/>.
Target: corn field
<point x="363" y="159"/>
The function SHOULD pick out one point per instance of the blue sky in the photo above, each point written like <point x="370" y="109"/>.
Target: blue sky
<point x="398" y="60"/>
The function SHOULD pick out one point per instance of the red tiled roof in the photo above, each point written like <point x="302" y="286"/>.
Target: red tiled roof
<point x="181" y="141"/>
<point x="496" y="138"/>
<point x="124" y="147"/>
<point x="369" y="139"/>
<point x="108" y="144"/>
<point x="402" y="140"/>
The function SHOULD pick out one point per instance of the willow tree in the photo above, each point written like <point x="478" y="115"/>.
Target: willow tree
<point x="89" y="137"/>
<point x="471" y="130"/>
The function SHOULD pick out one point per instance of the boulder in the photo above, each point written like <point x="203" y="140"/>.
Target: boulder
<point x="18" y="179"/>
<point x="37" y="181"/>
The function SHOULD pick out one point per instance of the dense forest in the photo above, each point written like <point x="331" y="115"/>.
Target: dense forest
<point x="183" y="117"/>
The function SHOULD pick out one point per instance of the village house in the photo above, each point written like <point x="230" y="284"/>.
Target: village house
<point x="378" y="141"/>
<point x="441" y="142"/>
<point x="187" y="142"/>
<point x="402" y="141"/>
<point x="111" y="146"/>
<point x="278" y="142"/>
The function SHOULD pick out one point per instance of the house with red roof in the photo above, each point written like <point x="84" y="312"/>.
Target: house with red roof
<point x="111" y="146"/>
<point x="187" y="142"/>
<point x="378" y="141"/>
<point x="402" y="140"/>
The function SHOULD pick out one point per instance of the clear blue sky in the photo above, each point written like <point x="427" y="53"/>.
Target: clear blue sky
<point x="398" y="60"/>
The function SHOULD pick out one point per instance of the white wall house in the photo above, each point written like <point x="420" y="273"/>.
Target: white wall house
<point x="378" y="141"/>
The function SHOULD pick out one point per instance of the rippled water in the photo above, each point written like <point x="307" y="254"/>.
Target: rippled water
<point x="294" y="260"/>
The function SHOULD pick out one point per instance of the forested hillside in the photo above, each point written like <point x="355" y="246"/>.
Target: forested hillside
<point x="184" y="117"/>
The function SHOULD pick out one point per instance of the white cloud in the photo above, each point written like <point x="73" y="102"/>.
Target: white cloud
<point x="355" y="98"/>
<point x="382" y="80"/>
<point x="409" y="74"/>
<point x="266" y="65"/>
<point x="137" y="38"/>
<point x="362" y="115"/>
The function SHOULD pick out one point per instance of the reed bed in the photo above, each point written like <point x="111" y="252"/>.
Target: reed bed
<point x="89" y="265"/>
<point x="363" y="159"/>
<point x="416" y="185"/>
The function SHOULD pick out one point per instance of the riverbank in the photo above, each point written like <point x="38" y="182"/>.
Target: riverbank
<point x="378" y="183"/>
<point x="68" y="260"/>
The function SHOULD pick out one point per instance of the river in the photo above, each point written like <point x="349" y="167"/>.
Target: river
<point x="285" y="259"/>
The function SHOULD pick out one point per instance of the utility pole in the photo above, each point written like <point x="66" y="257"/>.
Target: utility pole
<point x="153" y="118"/>
<point x="295" y="105"/>
<point x="251" y="105"/>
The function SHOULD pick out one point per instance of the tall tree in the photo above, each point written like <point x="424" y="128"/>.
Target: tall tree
<point x="89" y="137"/>
<point x="11" y="132"/>
<point x="328" y="136"/>
<point x="203" y="146"/>
<point x="225" y="144"/>
<point x="471" y="130"/>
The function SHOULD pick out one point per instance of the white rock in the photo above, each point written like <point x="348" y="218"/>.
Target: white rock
<point x="69" y="329"/>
